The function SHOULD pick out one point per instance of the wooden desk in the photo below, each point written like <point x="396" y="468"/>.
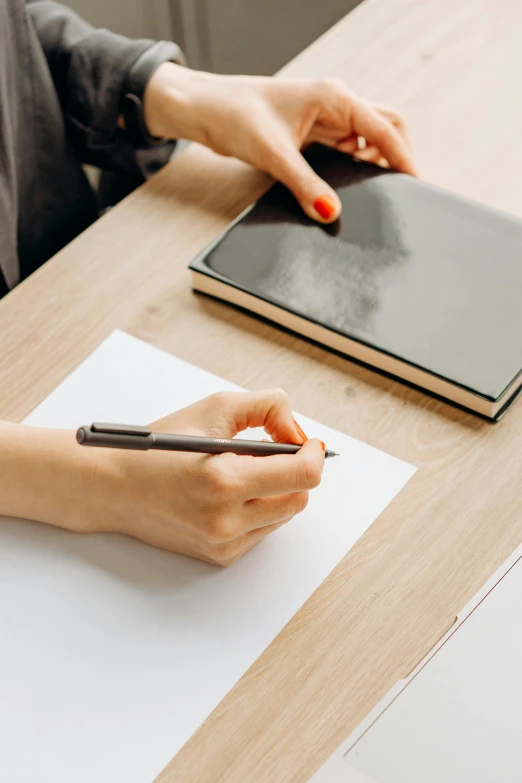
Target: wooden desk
<point x="454" y="68"/>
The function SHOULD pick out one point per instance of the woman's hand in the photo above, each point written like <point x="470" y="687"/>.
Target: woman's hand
<point x="213" y="507"/>
<point x="266" y="122"/>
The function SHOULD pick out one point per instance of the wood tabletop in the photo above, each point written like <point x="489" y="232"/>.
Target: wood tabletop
<point x="454" y="69"/>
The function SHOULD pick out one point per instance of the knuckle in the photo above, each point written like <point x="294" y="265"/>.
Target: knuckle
<point x="221" y="529"/>
<point x="279" y="396"/>
<point x="220" y="399"/>
<point x="397" y="118"/>
<point x="333" y="85"/>
<point x="221" y="483"/>
<point x="225" y="554"/>
<point x="277" y="400"/>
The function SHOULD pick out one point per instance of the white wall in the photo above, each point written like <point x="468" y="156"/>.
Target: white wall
<point x="225" y="36"/>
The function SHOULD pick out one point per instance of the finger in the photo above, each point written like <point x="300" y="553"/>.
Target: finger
<point x="281" y="474"/>
<point x="396" y="118"/>
<point x="226" y="554"/>
<point x="379" y="131"/>
<point x="225" y="414"/>
<point x="317" y="199"/>
<point x="262" y="512"/>
<point x="331" y="137"/>
<point x="349" y="145"/>
<point x="370" y="154"/>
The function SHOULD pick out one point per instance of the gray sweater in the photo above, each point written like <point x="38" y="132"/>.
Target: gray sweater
<point x="61" y="84"/>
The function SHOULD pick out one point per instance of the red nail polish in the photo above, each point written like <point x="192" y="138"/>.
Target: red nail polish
<point x="325" y="206"/>
<point x="300" y="431"/>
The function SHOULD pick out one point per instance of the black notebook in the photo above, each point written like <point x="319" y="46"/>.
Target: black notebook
<point x="412" y="280"/>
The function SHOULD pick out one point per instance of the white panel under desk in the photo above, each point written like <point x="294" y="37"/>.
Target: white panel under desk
<point x="459" y="720"/>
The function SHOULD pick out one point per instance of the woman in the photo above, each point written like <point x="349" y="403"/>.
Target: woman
<point x="70" y="94"/>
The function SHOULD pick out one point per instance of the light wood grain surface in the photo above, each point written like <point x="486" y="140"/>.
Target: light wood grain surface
<point x="454" y="68"/>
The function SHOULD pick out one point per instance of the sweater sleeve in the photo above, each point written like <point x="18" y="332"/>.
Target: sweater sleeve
<point x="89" y="68"/>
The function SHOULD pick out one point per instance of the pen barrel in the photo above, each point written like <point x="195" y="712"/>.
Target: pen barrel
<point x="120" y="436"/>
<point x="221" y="445"/>
<point x="87" y="437"/>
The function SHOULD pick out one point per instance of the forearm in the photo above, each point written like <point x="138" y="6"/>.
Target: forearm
<point x="47" y="477"/>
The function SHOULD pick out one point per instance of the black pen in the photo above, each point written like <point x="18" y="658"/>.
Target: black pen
<point x="123" y="436"/>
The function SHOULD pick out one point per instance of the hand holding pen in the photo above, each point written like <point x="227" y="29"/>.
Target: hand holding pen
<point x="211" y="506"/>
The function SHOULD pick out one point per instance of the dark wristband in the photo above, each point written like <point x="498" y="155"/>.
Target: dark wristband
<point x="134" y="91"/>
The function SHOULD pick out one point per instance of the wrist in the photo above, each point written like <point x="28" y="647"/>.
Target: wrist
<point x="47" y="477"/>
<point x="170" y="103"/>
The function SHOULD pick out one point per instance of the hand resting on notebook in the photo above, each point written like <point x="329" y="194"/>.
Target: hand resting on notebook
<point x="212" y="507"/>
<point x="266" y="122"/>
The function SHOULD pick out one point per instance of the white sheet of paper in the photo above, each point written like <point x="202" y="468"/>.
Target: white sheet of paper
<point x="112" y="653"/>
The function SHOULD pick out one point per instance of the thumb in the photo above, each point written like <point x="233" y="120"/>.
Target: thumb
<point x="317" y="199"/>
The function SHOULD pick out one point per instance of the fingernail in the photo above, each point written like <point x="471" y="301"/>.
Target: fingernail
<point x="325" y="206"/>
<point x="300" y="431"/>
<point x="323" y="445"/>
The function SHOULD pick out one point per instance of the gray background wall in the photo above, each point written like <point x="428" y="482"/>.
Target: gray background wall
<point x="225" y="36"/>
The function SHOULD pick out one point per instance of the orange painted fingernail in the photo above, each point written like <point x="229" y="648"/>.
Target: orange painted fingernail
<point x="322" y="444"/>
<point x="325" y="206"/>
<point x="300" y="431"/>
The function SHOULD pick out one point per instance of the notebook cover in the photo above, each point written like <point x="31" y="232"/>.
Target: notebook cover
<point x="414" y="271"/>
